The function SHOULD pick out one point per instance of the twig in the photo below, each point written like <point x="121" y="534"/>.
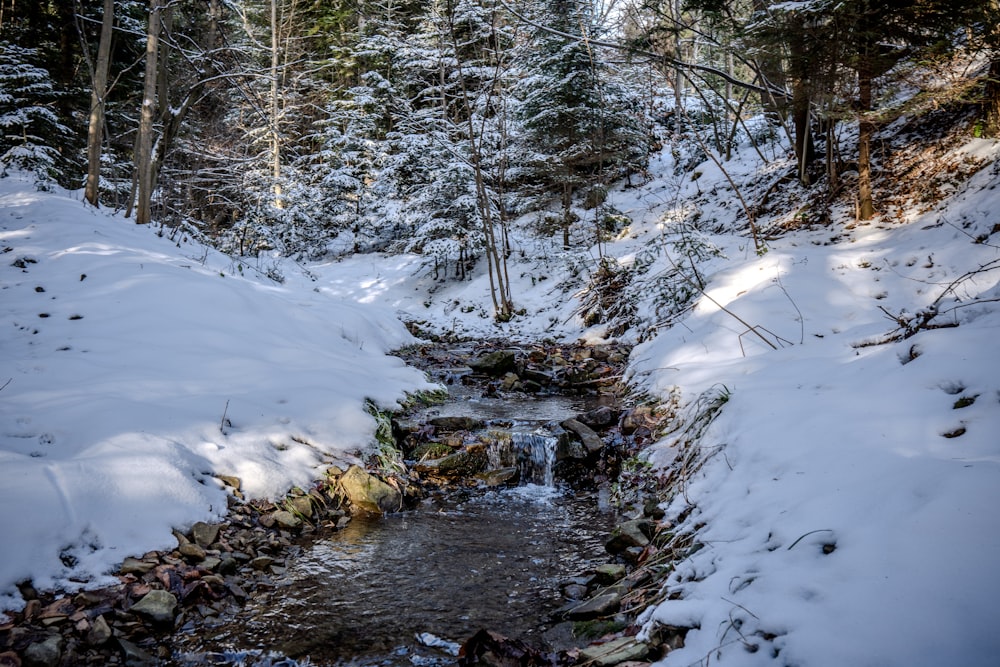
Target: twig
<point x="818" y="530"/>
<point x="6" y="383"/>
<point x="222" y="423"/>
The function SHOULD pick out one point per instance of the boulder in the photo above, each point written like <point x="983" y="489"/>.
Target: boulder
<point x="495" y="364"/>
<point x="591" y="441"/>
<point x="156" y="606"/>
<point x="368" y="493"/>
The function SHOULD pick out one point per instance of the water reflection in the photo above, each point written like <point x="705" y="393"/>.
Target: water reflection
<point x="380" y="591"/>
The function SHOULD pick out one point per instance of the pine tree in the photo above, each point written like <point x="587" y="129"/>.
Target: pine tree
<point x="31" y="131"/>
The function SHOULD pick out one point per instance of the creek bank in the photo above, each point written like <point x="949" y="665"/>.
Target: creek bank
<point x="216" y="568"/>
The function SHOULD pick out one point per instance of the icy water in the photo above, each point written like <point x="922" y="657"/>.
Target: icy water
<point x="408" y="588"/>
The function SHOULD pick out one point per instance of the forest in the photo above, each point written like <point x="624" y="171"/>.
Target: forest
<point x="315" y="127"/>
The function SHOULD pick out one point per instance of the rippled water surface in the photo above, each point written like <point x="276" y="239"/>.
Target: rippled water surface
<point x="384" y="591"/>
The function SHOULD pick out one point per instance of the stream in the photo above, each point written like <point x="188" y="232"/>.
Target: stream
<point x="409" y="588"/>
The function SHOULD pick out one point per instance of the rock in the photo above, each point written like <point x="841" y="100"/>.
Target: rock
<point x="609" y="573"/>
<point x="510" y="382"/>
<point x="567" y="447"/>
<point x="495" y="363"/>
<point x="192" y="551"/>
<point x="211" y="563"/>
<point x="205" y="534"/>
<point x="602" y="604"/>
<point x="500" y="477"/>
<point x="99" y="633"/>
<point x="261" y="563"/>
<point x="368" y="493"/>
<point x="286" y="519"/>
<point x="601" y="417"/>
<point x="135" y="656"/>
<point x="641" y="416"/>
<point x="230" y="481"/>
<point x="46" y="653"/>
<point x="301" y="505"/>
<point x="9" y="659"/>
<point x="228" y="566"/>
<point x="465" y="462"/>
<point x="634" y="533"/>
<point x="591" y="441"/>
<point x="456" y="423"/>
<point x="156" y="606"/>
<point x="614" y="652"/>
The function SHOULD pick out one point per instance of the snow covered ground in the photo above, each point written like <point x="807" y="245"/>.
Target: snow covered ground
<point x="122" y="352"/>
<point x="848" y="504"/>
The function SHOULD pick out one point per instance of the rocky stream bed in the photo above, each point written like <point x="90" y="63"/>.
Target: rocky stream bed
<point x="201" y="603"/>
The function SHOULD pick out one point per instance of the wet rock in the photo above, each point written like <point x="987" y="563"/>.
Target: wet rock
<point x="205" y="534"/>
<point x="634" y="533"/>
<point x="601" y="604"/>
<point x="591" y="441"/>
<point x="46" y="653"/>
<point x="495" y="364"/>
<point x="501" y="477"/>
<point x="616" y="651"/>
<point x="510" y="382"/>
<point x="602" y="417"/>
<point x="464" y="463"/>
<point x="99" y="633"/>
<point x="368" y="493"/>
<point x="569" y="448"/>
<point x="456" y="423"/>
<point x="156" y="606"/>
<point x="609" y="573"/>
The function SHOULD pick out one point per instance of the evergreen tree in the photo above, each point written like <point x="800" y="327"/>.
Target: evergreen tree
<point x="580" y="126"/>
<point x="31" y="131"/>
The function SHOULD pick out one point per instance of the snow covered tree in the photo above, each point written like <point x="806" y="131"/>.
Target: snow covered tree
<point x="581" y="126"/>
<point x="31" y="132"/>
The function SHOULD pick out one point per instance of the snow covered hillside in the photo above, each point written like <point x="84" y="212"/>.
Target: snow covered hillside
<point x="135" y="368"/>
<point x="847" y="493"/>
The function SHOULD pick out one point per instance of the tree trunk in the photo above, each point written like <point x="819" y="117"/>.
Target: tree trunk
<point x="144" y="142"/>
<point x="275" y="137"/>
<point x="866" y="129"/>
<point x="95" y="132"/>
<point x="992" y="101"/>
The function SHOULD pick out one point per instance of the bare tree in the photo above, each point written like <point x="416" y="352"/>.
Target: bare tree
<point x="95" y="133"/>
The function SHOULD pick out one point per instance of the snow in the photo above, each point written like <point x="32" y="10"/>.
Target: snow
<point x="848" y="499"/>
<point x="123" y="352"/>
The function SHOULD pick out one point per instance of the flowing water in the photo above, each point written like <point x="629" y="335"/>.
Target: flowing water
<point x="409" y="588"/>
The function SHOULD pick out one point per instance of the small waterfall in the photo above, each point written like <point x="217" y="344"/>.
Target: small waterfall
<point x="534" y="453"/>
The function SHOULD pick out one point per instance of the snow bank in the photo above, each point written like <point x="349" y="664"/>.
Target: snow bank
<point x="136" y="368"/>
<point x="850" y="517"/>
